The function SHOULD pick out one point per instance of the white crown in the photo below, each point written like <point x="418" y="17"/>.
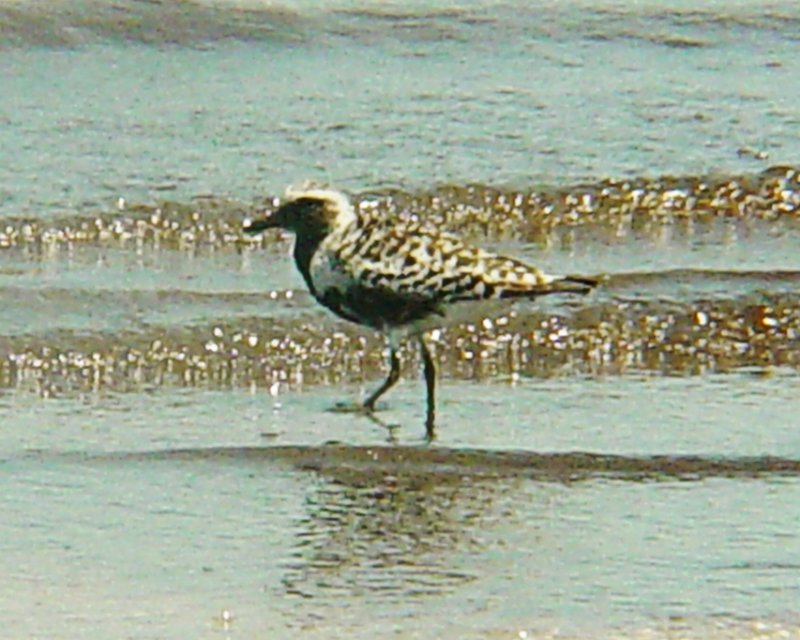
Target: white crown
<point x="337" y="201"/>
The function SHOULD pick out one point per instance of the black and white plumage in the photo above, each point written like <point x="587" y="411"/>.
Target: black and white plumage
<point x="399" y="277"/>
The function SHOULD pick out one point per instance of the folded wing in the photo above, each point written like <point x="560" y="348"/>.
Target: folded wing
<point x="438" y="268"/>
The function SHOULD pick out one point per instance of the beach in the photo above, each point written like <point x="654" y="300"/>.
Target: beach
<point x="619" y="465"/>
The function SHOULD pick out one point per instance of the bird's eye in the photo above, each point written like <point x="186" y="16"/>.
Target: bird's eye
<point x="306" y="205"/>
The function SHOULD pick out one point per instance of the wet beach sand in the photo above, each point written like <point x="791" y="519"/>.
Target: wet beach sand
<point x="620" y="465"/>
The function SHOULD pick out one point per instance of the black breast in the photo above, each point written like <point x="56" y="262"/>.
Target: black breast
<point x="378" y="308"/>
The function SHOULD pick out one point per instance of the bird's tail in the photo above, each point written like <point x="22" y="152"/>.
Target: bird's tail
<point x="554" y="284"/>
<point x="572" y="284"/>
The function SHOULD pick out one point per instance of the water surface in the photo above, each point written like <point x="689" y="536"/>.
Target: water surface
<point x="620" y="465"/>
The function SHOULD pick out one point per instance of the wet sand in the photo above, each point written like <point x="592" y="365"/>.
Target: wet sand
<point x="595" y="456"/>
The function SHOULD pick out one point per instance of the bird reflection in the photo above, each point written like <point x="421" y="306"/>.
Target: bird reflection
<point x="390" y="535"/>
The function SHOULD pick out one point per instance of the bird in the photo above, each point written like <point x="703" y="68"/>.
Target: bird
<point x="401" y="277"/>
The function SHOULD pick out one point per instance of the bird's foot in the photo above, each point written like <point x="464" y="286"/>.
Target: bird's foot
<point x="430" y="429"/>
<point x="352" y="407"/>
<point x="367" y="411"/>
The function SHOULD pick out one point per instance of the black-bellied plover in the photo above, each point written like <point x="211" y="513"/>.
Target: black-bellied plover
<point x="400" y="277"/>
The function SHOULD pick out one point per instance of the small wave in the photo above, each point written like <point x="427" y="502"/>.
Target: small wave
<point x="191" y="23"/>
<point x="69" y="24"/>
<point x="359" y="465"/>
<point x="694" y="284"/>
<point x="474" y="210"/>
<point x="601" y="336"/>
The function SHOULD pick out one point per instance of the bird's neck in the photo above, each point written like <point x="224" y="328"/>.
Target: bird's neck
<point x="305" y="246"/>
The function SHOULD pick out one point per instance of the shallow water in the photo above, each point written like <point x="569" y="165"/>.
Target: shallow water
<point x="143" y="517"/>
<point x="145" y="100"/>
<point x="621" y="465"/>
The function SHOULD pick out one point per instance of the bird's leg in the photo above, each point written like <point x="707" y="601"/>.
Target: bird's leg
<point x="392" y="378"/>
<point x="430" y="382"/>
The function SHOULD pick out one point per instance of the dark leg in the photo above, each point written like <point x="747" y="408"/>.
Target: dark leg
<point x="430" y="382"/>
<point x="394" y="375"/>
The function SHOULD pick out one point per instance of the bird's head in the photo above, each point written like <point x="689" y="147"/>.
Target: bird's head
<point x="307" y="212"/>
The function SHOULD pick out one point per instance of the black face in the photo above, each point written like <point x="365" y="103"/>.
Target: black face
<point x="305" y="216"/>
